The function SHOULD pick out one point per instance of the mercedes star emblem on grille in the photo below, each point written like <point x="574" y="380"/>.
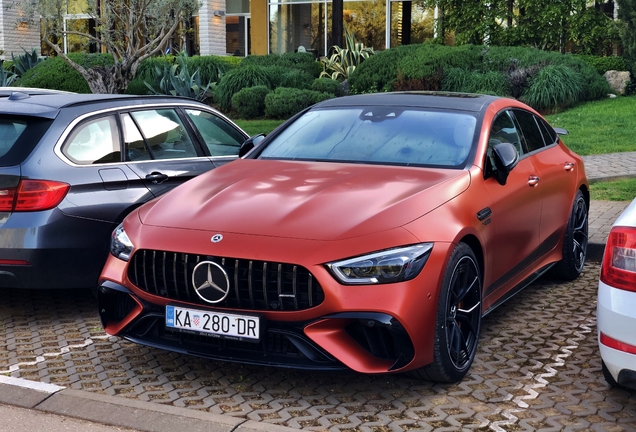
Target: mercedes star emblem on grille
<point x="210" y="282"/>
<point x="217" y="238"/>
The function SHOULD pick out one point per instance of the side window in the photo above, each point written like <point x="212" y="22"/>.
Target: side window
<point x="94" y="142"/>
<point x="503" y="130"/>
<point x="219" y="136"/>
<point x="161" y="135"/>
<point x="135" y="147"/>
<point x="530" y="130"/>
<point x="549" y="135"/>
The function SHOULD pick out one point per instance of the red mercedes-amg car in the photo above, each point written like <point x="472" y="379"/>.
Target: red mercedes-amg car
<point x="369" y="232"/>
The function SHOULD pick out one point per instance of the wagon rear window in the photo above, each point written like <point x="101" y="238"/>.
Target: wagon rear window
<point x="19" y="136"/>
<point x="384" y="135"/>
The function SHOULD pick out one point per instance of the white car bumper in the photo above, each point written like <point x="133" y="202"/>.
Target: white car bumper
<point x="616" y="319"/>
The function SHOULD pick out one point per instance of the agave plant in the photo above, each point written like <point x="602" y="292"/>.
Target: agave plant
<point x="26" y="61"/>
<point x="6" y="77"/>
<point x="177" y="80"/>
<point x="344" y="61"/>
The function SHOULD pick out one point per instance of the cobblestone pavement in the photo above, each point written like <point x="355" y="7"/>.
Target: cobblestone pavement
<point x="537" y="368"/>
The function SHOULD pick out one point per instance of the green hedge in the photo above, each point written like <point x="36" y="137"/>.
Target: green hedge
<point x="603" y="64"/>
<point x="54" y="73"/>
<point x="504" y="71"/>
<point x="284" y="102"/>
<point x="327" y="85"/>
<point x="250" y="102"/>
<point x="303" y="61"/>
<point x="238" y="79"/>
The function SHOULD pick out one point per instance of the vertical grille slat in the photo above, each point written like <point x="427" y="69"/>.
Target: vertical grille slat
<point x="249" y="283"/>
<point x="265" y="285"/>
<point x="294" y="291"/>
<point x="282" y="287"/>
<point x="143" y="269"/>
<point x="236" y="281"/>
<point x="279" y="285"/>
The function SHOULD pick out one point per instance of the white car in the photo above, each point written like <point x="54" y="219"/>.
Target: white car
<point x="616" y="310"/>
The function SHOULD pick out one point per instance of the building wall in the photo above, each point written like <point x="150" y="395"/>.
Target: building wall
<point x="15" y="36"/>
<point x="212" y="28"/>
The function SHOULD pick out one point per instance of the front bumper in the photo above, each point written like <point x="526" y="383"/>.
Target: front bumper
<point x="380" y="343"/>
<point x="616" y="318"/>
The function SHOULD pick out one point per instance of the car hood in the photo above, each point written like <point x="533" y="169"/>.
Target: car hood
<point x="305" y="200"/>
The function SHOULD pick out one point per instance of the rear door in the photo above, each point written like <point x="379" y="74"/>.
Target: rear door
<point x="102" y="187"/>
<point x="159" y="149"/>
<point x="558" y="173"/>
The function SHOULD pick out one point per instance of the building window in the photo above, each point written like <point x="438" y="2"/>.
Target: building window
<point x="237" y="35"/>
<point x="307" y="23"/>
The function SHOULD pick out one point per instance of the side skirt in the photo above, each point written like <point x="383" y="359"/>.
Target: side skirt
<point x="527" y="281"/>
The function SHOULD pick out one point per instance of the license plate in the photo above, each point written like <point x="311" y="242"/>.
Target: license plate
<point x="213" y="323"/>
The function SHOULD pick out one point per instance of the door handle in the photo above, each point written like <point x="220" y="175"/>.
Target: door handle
<point x="569" y="166"/>
<point x="157" y="177"/>
<point x="533" y="180"/>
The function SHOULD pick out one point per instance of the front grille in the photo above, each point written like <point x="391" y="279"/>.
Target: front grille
<point x="255" y="285"/>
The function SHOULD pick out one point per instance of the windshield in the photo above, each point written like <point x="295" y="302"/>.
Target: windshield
<point x="385" y="135"/>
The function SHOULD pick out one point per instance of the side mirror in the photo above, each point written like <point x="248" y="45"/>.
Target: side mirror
<point x="506" y="157"/>
<point x="250" y="143"/>
<point x="560" y="131"/>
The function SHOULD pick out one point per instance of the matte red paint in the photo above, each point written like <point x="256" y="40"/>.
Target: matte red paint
<point x="310" y="213"/>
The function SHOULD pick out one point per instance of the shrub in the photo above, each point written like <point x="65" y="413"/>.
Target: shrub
<point x="26" y="61"/>
<point x="378" y="72"/>
<point x="595" y="86"/>
<point x="250" y="102"/>
<point x="6" y="76"/>
<point x="231" y="62"/>
<point x="284" y="102"/>
<point x="603" y="64"/>
<point x="432" y="58"/>
<point x="178" y="81"/>
<point x="238" y="79"/>
<point x="55" y="74"/>
<point x="327" y="85"/>
<point x="138" y="87"/>
<point x="554" y="86"/>
<point x="462" y="80"/>
<point x="295" y="78"/>
<point x="303" y="61"/>
<point x="210" y="67"/>
<point x="344" y="61"/>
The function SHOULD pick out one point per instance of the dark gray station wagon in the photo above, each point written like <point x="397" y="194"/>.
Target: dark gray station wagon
<point x="72" y="166"/>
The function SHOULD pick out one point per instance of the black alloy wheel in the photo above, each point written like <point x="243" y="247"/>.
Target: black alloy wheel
<point x="575" y="241"/>
<point x="458" y="319"/>
<point x="463" y="313"/>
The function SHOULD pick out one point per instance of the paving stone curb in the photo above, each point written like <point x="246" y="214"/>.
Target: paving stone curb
<point x="121" y="412"/>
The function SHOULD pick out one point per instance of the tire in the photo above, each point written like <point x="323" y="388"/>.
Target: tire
<point x="458" y="319"/>
<point x="608" y="376"/>
<point x="575" y="241"/>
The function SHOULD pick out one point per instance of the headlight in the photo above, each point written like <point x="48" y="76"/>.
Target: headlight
<point x="388" y="266"/>
<point x="120" y="245"/>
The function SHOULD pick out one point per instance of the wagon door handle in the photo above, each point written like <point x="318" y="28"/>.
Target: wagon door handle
<point x="533" y="180"/>
<point x="157" y="177"/>
<point x="569" y="166"/>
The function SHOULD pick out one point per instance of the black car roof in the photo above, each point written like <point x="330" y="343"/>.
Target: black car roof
<point x="49" y="105"/>
<point x="439" y="100"/>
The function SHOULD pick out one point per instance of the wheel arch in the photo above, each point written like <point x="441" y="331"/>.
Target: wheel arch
<point x="474" y="243"/>
<point x="586" y="195"/>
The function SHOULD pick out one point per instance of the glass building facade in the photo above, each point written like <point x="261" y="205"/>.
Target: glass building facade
<point x="379" y="24"/>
